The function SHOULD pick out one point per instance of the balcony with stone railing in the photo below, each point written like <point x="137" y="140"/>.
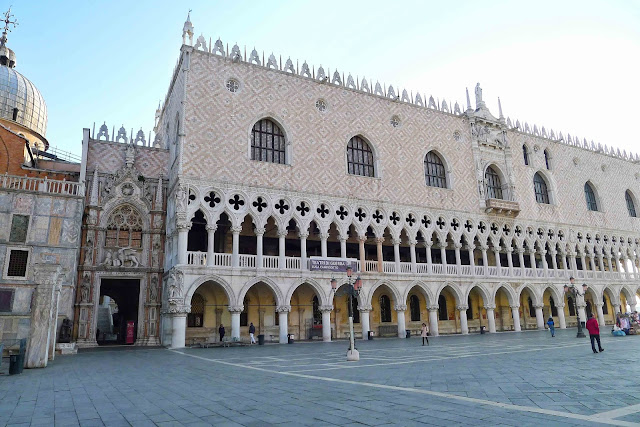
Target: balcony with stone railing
<point x="273" y="263"/>
<point x="41" y="185"/>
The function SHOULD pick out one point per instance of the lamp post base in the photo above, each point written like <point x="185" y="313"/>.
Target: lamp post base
<point x="580" y="334"/>
<point x="353" y="356"/>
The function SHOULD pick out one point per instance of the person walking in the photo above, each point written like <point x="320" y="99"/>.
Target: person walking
<point x="221" y="331"/>
<point x="252" y="331"/>
<point x="425" y="333"/>
<point x="551" y="325"/>
<point x="594" y="333"/>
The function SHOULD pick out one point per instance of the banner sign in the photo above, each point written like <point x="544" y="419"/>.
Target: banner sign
<point x="332" y="264"/>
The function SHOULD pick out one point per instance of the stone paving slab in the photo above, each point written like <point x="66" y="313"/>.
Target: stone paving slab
<point x="493" y="379"/>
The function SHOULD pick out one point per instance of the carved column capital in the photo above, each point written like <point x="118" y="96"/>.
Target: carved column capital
<point x="401" y="307"/>
<point x="365" y="308"/>
<point x="379" y="240"/>
<point x="236" y="308"/>
<point x="259" y="231"/>
<point x="212" y="227"/>
<point x="236" y="229"/>
<point x="462" y="307"/>
<point x="490" y="307"/>
<point x="413" y="242"/>
<point x="538" y="305"/>
<point x="517" y="307"/>
<point x="183" y="225"/>
<point x="282" y="233"/>
<point x="324" y="236"/>
<point x="283" y="309"/>
<point x="396" y="241"/>
<point x="303" y="235"/>
<point x="433" y="307"/>
<point x="325" y="308"/>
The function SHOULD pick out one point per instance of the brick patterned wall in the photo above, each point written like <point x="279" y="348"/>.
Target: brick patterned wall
<point x="218" y="125"/>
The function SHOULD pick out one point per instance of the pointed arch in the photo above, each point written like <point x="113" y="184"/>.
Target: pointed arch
<point x="397" y="299"/>
<point x="459" y="297"/>
<point x="424" y="290"/>
<point x="535" y="297"/>
<point x="311" y="282"/>
<point x="591" y="197"/>
<point x="509" y="291"/>
<point x="200" y="280"/>
<point x="267" y="281"/>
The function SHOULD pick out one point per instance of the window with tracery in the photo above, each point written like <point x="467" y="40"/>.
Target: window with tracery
<point x="434" y="171"/>
<point x="124" y="229"/>
<point x="631" y="207"/>
<point x="493" y="184"/>
<point x="267" y="142"/>
<point x="590" y="197"/>
<point x="385" y="309"/>
<point x="540" y="189"/>
<point x="195" y="319"/>
<point x="360" y="159"/>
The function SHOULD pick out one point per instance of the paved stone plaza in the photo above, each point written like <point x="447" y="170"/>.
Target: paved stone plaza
<point x="500" y="379"/>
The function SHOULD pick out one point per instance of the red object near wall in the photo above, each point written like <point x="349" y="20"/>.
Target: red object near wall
<point x="130" y="332"/>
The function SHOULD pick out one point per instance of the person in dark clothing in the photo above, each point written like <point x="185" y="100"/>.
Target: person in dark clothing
<point x="221" y="331"/>
<point x="252" y="331"/>
<point x="552" y="327"/>
<point x="594" y="333"/>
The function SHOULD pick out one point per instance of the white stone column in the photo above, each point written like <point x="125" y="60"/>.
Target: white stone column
<point x="545" y="265"/>
<point x="282" y="234"/>
<point x="400" y="309"/>
<point x="582" y="313"/>
<point x="303" y="250"/>
<point x="485" y="261"/>
<point x="583" y="261"/>
<point x="561" y="319"/>
<point x="539" y="316"/>
<point x="433" y="320"/>
<point x="364" y="320"/>
<point x="457" y="246"/>
<point x="443" y="255"/>
<point x="554" y="260"/>
<point x="491" y="318"/>
<point x="600" y="314"/>
<point x="412" y="254"/>
<point x="462" y="309"/>
<point x="323" y="244"/>
<point x="183" y="238"/>
<point x="343" y="246"/>
<point x="472" y="261"/>
<point x="515" y="313"/>
<point x="521" y="259"/>
<point x="380" y="258"/>
<point x="496" y="255"/>
<point x="211" y="231"/>
<point x="592" y="261"/>
<point x="396" y="254"/>
<point x="427" y="246"/>
<point x="361" y="253"/>
<point x="601" y="260"/>
<point x="259" y="247"/>
<point x="609" y="263"/>
<point x="509" y="250"/>
<point x="235" y="321"/>
<point x="235" y="247"/>
<point x="283" y="323"/>
<point x="326" y="322"/>
<point x="532" y="261"/>
<point x="178" y="330"/>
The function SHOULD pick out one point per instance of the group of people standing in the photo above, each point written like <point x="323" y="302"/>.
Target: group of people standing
<point x="592" y="326"/>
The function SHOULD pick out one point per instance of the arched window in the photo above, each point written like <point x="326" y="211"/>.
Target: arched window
<point x="385" y="309"/>
<point x="590" y="197"/>
<point x="525" y="155"/>
<point x="124" y="229"/>
<point x="443" y="313"/>
<point x="244" y="315"/>
<point x="552" y="305"/>
<point x="547" y="159"/>
<point x="434" y="171"/>
<point x="267" y="142"/>
<point x="197" y="235"/>
<point x="493" y="184"/>
<point x="572" y="307"/>
<point x="195" y="319"/>
<point x="605" y="308"/>
<point x="414" y="308"/>
<point x="631" y="207"/>
<point x="540" y="188"/>
<point x="532" y="310"/>
<point x="469" y="309"/>
<point x="360" y="159"/>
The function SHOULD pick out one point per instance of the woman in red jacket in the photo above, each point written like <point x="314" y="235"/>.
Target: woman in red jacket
<point x="594" y="333"/>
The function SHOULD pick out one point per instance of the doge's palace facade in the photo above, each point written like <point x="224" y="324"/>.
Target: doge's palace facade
<point x="453" y="216"/>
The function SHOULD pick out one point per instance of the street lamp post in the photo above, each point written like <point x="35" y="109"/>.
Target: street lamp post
<point x="352" y="288"/>
<point x="576" y="293"/>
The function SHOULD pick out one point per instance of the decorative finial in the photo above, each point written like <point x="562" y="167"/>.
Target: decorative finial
<point x="468" y="100"/>
<point x="479" y="102"/>
<point x="7" y="22"/>
<point x="187" y="30"/>
<point x="500" y="109"/>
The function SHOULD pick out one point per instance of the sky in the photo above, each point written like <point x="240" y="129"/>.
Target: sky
<point x="571" y="66"/>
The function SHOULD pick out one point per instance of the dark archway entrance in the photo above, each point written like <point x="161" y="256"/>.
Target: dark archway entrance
<point x="119" y="302"/>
